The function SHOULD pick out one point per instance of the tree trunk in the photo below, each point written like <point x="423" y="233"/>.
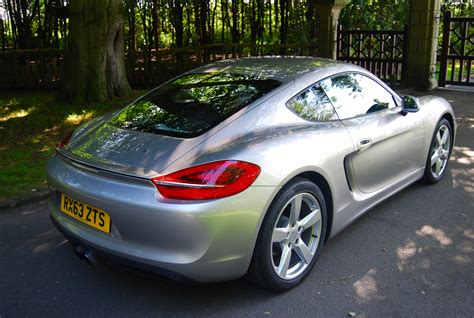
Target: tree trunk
<point x="311" y="22"/>
<point x="155" y="24"/>
<point x="2" y="35"/>
<point x="234" y="28"/>
<point x="95" y="66"/>
<point x="21" y="15"/>
<point x="176" y="15"/>
<point x="284" y="8"/>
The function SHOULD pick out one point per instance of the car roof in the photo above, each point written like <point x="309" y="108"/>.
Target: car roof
<point x="281" y="68"/>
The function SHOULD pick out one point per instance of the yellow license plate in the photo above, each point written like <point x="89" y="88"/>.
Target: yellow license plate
<point x="86" y="213"/>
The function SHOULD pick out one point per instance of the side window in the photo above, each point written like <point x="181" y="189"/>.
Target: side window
<point x="356" y="95"/>
<point x="312" y="104"/>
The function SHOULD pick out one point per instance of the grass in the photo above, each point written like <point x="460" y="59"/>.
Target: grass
<point x="457" y="67"/>
<point x="31" y="124"/>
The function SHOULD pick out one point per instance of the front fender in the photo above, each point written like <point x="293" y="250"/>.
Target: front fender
<point x="432" y="109"/>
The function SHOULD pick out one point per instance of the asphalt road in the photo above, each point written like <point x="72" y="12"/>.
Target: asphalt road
<point x="413" y="255"/>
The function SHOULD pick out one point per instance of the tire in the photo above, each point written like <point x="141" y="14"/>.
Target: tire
<point x="285" y="236"/>
<point x="439" y="153"/>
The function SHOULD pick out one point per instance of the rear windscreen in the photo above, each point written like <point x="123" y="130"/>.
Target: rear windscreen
<point x="192" y="104"/>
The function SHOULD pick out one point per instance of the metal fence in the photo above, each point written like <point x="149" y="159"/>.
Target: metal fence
<point x="457" y="51"/>
<point x="381" y="52"/>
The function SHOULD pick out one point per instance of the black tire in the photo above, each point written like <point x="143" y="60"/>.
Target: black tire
<point x="261" y="269"/>
<point x="430" y="177"/>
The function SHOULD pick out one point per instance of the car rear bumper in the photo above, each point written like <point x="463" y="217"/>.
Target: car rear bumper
<point x="115" y="260"/>
<point x="203" y="241"/>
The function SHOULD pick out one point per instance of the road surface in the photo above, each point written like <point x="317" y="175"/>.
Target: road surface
<point x="413" y="255"/>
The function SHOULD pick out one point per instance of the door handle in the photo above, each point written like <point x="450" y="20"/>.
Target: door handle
<point x="363" y="144"/>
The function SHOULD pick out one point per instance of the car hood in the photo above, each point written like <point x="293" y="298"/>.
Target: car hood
<point x="104" y="146"/>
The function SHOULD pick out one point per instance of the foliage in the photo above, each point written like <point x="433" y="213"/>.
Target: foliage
<point x="391" y="14"/>
<point x="375" y="15"/>
<point x="153" y="24"/>
<point x="460" y="8"/>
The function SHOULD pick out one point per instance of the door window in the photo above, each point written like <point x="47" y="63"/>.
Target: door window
<point x="356" y="95"/>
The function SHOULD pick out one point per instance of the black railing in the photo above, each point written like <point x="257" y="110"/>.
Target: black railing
<point x="457" y="51"/>
<point x="44" y="68"/>
<point x="382" y="52"/>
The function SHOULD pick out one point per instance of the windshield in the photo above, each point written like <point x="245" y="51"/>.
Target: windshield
<point x="192" y="104"/>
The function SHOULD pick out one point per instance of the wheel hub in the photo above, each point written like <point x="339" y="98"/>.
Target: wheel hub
<point x="294" y="235"/>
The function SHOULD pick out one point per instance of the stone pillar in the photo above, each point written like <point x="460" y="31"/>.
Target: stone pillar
<point x="422" y="43"/>
<point x="327" y="12"/>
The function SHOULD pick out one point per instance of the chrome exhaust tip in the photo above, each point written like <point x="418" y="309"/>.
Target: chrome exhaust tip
<point x="85" y="254"/>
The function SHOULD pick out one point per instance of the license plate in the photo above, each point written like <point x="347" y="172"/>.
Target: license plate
<point x="85" y="213"/>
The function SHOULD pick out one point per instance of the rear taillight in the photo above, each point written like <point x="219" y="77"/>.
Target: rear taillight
<point x="65" y="141"/>
<point x="208" y="181"/>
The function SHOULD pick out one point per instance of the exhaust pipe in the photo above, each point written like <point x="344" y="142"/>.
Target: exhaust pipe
<point x="85" y="254"/>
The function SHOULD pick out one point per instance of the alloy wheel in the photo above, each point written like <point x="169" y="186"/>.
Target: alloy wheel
<point x="440" y="151"/>
<point x="296" y="236"/>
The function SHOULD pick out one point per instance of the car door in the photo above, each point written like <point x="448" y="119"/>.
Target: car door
<point x="387" y="144"/>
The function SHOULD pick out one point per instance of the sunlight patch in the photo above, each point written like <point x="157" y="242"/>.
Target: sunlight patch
<point x="407" y="251"/>
<point x="470" y="120"/>
<point x="54" y="128"/>
<point x="17" y="114"/>
<point x="76" y="119"/>
<point x="469" y="234"/>
<point x="462" y="259"/>
<point x="366" y="286"/>
<point x="463" y="178"/>
<point x="463" y="155"/>
<point x="465" y="247"/>
<point x="437" y="234"/>
<point x="45" y="148"/>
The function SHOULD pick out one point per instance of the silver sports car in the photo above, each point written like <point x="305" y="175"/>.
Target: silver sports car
<point x="243" y="166"/>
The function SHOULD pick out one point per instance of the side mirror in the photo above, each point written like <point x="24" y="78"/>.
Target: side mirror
<point x="410" y="104"/>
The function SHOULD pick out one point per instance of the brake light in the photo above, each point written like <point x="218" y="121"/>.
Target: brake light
<point x="212" y="180"/>
<point x="65" y="141"/>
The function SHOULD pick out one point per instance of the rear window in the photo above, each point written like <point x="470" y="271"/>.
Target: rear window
<point x="192" y="104"/>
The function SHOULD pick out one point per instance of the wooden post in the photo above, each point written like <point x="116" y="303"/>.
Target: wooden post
<point x="405" y="53"/>
<point x="2" y="34"/>
<point x="338" y="43"/>
<point x="328" y="16"/>
<point x="444" y="49"/>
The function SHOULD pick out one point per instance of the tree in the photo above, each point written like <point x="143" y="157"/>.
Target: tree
<point x="176" y="18"/>
<point x="22" y="13"/>
<point x="95" y="67"/>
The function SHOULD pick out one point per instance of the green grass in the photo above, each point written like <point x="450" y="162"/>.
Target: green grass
<point x="457" y="67"/>
<point x="31" y="124"/>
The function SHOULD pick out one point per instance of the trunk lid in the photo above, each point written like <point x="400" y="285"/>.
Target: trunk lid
<point x="126" y="151"/>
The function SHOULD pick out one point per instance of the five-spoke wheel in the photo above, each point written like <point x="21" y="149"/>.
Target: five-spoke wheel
<point x="296" y="235"/>
<point x="439" y="152"/>
<point x="291" y="236"/>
